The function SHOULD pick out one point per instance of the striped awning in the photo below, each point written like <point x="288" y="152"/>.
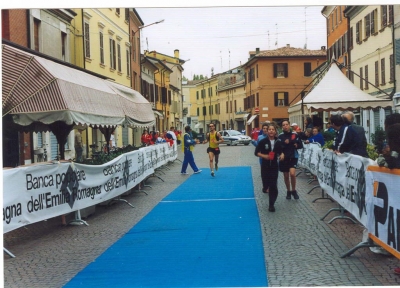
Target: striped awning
<point x="35" y="89"/>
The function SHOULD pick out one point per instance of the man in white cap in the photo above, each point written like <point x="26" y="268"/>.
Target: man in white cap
<point x="296" y="128"/>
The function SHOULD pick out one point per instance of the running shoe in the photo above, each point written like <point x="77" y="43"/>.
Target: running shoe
<point x="216" y="166"/>
<point x="197" y="172"/>
<point x="212" y="173"/>
<point x="184" y="173"/>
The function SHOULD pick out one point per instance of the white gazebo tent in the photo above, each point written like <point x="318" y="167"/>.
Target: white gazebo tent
<point x="334" y="92"/>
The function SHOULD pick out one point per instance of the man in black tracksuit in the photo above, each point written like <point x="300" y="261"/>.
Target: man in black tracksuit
<point x="269" y="166"/>
<point x="289" y="157"/>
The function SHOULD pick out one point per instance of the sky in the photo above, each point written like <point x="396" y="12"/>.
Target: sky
<point x="220" y="38"/>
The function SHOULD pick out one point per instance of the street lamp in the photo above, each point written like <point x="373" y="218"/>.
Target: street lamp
<point x="143" y="26"/>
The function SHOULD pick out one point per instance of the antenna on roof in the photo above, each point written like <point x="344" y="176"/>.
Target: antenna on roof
<point x="147" y="43"/>
<point x="305" y="26"/>
<point x="276" y="29"/>
<point x="220" y="55"/>
<point x="229" y="67"/>
<point x="268" y="40"/>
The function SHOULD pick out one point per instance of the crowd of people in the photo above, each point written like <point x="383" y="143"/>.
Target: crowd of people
<point x="277" y="151"/>
<point x="157" y="137"/>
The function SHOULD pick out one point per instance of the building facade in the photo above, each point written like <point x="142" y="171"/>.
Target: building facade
<point x="372" y="57"/>
<point x="275" y="79"/>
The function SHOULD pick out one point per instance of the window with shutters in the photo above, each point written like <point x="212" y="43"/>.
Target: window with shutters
<point x="63" y="44"/>
<point x="198" y="111"/>
<point x="281" y="99"/>
<point x="367" y="28"/>
<point x="390" y="14"/>
<point x="383" y="80"/>
<point x="376" y="73"/>
<point x="204" y="110"/>
<point x="197" y="95"/>
<point x="307" y="69"/>
<point x="128" y="62"/>
<point x="361" y="79"/>
<point x="351" y="39"/>
<point x="36" y="34"/>
<point x="169" y="97"/>
<point x="281" y="70"/>
<point x="134" y="46"/>
<point x="374" y="22"/>
<point x="257" y="99"/>
<point x="359" y="32"/>
<point x="234" y="105"/>
<point x="87" y="40"/>
<point x="119" y="57"/>
<point x="126" y="14"/>
<point x="366" y="77"/>
<point x="227" y="105"/>
<point x="156" y="93"/>
<point x="383" y="16"/>
<point x="112" y="54"/>
<point x="118" y="11"/>
<point x="391" y="63"/>
<point x="101" y="45"/>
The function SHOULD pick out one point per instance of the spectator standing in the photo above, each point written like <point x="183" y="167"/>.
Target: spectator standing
<point x="316" y="137"/>
<point x="296" y="128"/>
<point x="290" y="142"/>
<point x="187" y="147"/>
<point x="171" y="134"/>
<point x="255" y="133"/>
<point x="308" y="123"/>
<point x="112" y="141"/>
<point x="347" y="139"/>
<point x="349" y="120"/>
<point x="268" y="149"/>
<point x="329" y="127"/>
<point x="146" y="138"/>
<point x="78" y="145"/>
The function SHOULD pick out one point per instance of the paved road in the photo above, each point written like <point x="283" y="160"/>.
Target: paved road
<point x="300" y="249"/>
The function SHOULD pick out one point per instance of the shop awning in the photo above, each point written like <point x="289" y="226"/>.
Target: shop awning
<point x="160" y="116"/>
<point x="198" y="125"/>
<point x="336" y="92"/>
<point x="36" y="89"/>
<point x="252" y="119"/>
<point x="242" y="116"/>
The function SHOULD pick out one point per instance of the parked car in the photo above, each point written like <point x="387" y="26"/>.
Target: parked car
<point x="233" y="137"/>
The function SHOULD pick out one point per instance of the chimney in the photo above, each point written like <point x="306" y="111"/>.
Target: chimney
<point x="287" y="45"/>
<point x="323" y="48"/>
<point x="257" y="50"/>
<point x="176" y="53"/>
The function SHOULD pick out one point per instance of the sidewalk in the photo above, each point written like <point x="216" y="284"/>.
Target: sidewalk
<point x="300" y="249"/>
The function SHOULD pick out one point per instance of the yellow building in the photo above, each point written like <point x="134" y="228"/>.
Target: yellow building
<point x="205" y="104"/>
<point x="169" y="87"/>
<point x="100" y="43"/>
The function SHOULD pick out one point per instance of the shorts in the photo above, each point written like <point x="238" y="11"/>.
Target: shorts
<point x="215" y="151"/>
<point x="284" y="166"/>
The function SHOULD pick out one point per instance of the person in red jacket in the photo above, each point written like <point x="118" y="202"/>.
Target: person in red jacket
<point x="146" y="138"/>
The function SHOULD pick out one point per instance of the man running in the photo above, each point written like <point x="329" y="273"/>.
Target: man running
<point x="214" y="138"/>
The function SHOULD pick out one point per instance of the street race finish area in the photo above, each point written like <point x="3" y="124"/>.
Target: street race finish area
<point x="205" y="233"/>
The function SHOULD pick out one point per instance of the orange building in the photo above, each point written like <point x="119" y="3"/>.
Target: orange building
<point x="275" y="79"/>
<point x="338" y="35"/>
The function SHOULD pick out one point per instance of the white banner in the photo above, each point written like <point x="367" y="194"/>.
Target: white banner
<point x="384" y="207"/>
<point x="341" y="176"/>
<point x="38" y="192"/>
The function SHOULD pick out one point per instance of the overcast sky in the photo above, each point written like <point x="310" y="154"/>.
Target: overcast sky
<point x="218" y="37"/>
<point x="221" y="37"/>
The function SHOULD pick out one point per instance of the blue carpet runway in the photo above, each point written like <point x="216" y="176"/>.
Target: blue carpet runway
<point x="206" y="233"/>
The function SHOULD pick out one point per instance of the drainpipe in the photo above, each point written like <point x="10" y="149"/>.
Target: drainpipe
<point x="394" y="60"/>
<point x="83" y="40"/>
